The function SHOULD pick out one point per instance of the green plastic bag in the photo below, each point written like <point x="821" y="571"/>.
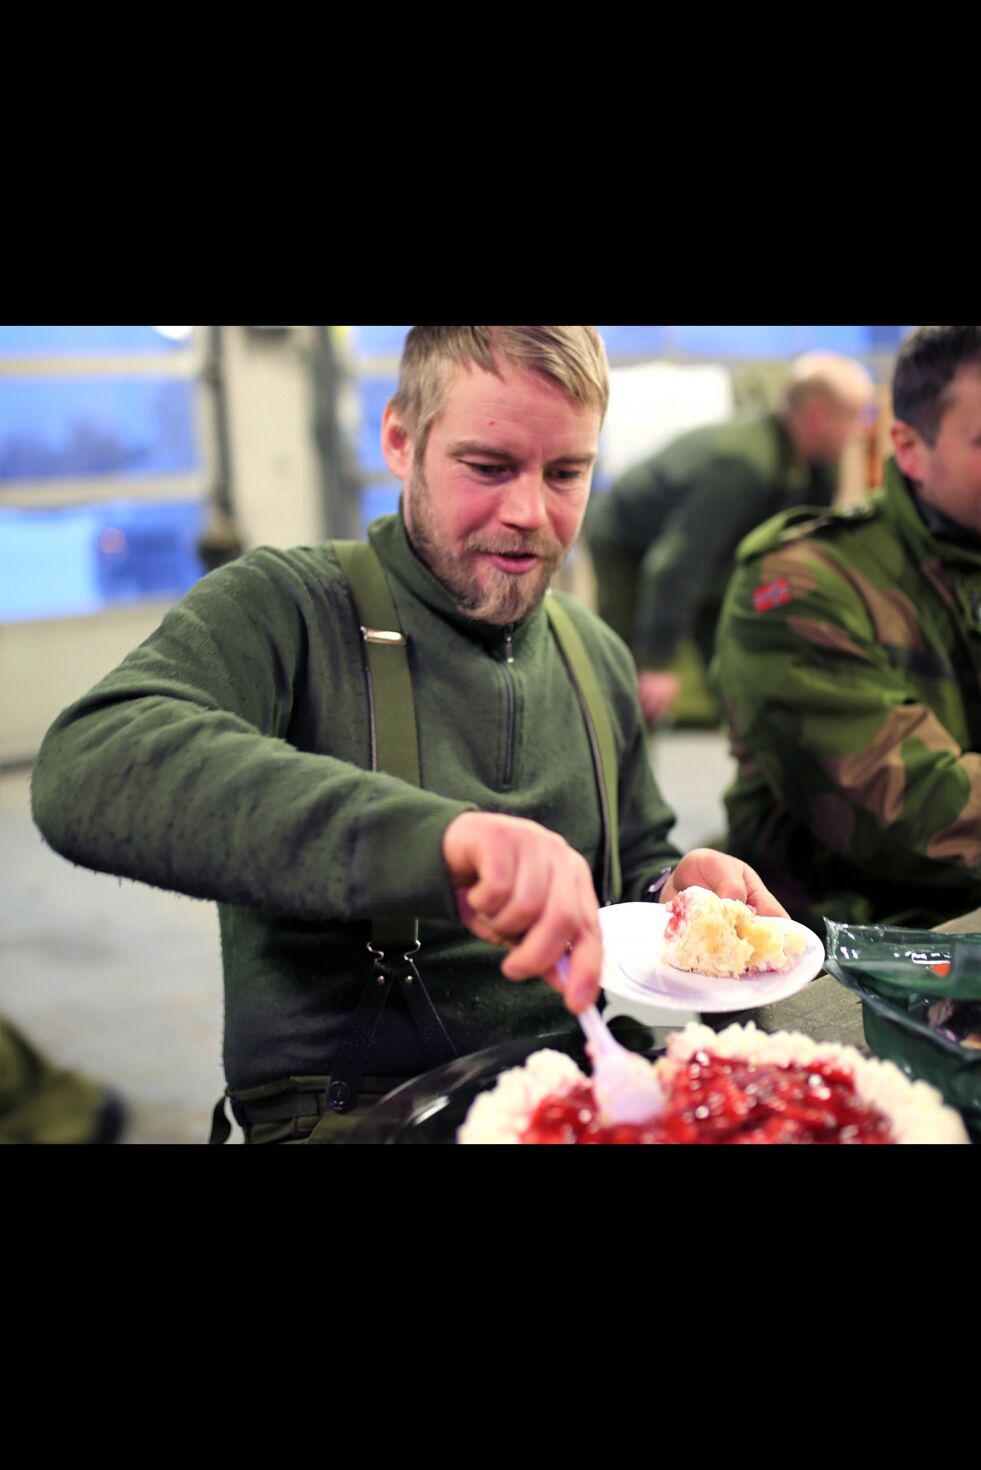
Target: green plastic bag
<point x="921" y="1004"/>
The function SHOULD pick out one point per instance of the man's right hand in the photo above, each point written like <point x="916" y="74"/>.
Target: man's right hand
<point x="657" y="693"/>
<point x="518" y="884"/>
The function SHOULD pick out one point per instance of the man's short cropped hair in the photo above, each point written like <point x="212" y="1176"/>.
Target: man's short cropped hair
<point x="572" y="357"/>
<point x="928" y="362"/>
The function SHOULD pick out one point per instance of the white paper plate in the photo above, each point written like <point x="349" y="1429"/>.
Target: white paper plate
<point x="632" y="938"/>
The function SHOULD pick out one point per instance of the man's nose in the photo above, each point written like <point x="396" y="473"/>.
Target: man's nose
<point x="524" y="502"/>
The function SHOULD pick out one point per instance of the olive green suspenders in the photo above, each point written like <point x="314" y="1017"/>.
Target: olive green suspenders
<point x="600" y="731"/>
<point x="391" y="709"/>
<point x="394" y="750"/>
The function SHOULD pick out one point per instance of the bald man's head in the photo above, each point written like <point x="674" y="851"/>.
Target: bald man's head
<point x="824" y="401"/>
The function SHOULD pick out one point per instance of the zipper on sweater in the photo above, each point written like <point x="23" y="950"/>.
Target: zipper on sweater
<point x="511" y="703"/>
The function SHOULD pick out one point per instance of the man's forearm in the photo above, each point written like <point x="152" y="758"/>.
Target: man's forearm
<point x="196" y="801"/>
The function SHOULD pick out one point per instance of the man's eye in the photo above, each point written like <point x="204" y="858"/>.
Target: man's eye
<point x="486" y="471"/>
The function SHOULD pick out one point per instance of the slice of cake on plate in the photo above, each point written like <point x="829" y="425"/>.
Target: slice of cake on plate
<point x="724" y="938"/>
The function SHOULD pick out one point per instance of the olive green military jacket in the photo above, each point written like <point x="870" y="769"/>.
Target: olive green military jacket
<point x="676" y="520"/>
<point x="849" y="660"/>
<point x="228" y="758"/>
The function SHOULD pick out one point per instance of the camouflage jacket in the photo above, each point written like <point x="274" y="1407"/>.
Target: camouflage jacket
<point x="848" y="658"/>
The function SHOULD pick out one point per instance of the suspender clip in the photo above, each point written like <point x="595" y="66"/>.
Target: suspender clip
<point x="382" y="635"/>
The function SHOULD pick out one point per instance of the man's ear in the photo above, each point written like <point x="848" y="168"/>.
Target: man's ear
<point x="910" y="449"/>
<point x="396" y="443"/>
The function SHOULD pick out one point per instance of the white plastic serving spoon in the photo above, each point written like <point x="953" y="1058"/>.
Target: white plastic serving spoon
<point x="624" y="1084"/>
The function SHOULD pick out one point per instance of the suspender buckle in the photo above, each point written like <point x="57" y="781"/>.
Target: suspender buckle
<point x="384" y="636"/>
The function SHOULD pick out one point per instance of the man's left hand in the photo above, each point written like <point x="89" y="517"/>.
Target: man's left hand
<point x="725" y="876"/>
<point x="657" y="692"/>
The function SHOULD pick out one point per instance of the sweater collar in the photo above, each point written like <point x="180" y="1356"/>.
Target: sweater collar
<point x="388" y="537"/>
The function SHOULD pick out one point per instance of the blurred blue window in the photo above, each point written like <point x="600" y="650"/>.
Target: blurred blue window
<point x="853" y="341"/>
<point x="58" y="428"/>
<point x="751" y="342"/>
<point x="72" y="561"/>
<point x="886" y="339"/>
<point x="634" y="341"/>
<point x="379" y="341"/>
<point x="736" y="341"/>
<point x="92" y="341"/>
<point x="374" y="394"/>
<point x="379" y="500"/>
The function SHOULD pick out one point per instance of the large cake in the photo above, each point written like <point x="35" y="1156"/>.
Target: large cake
<point x="724" y="938"/>
<point x="740" y="1086"/>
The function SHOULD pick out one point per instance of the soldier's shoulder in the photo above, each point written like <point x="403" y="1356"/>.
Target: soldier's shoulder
<point x="807" y="522"/>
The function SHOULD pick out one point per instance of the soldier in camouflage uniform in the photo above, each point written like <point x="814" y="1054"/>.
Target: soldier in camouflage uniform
<point x="663" y="538"/>
<point x="849" y="659"/>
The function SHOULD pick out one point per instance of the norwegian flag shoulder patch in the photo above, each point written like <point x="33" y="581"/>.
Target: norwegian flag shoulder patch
<point x="771" y="594"/>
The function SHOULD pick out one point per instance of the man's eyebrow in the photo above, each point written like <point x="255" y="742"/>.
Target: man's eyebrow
<point x="487" y="451"/>
<point x="473" y="446"/>
<point x="583" y="459"/>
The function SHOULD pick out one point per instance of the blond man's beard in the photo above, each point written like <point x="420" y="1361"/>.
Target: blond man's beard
<point x="495" y="597"/>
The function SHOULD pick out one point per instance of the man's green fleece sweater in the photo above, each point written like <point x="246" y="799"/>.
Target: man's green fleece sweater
<point x="228" y="758"/>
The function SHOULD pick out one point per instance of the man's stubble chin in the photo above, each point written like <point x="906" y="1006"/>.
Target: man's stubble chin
<point x="507" y="599"/>
<point x="494" y="597"/>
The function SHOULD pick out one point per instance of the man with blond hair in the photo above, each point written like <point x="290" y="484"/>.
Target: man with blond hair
<point x="388" y="804"/>
<point x="663" y="539"/>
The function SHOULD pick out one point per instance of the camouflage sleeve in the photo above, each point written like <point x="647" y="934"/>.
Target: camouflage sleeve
<point x="824" y="671"/>
<point x="694" y="552"/>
